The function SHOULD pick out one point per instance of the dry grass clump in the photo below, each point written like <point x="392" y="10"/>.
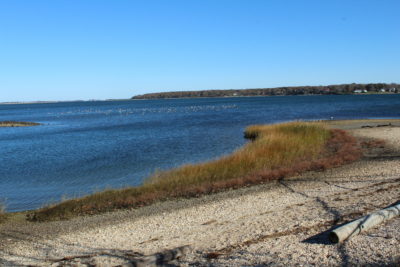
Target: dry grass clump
<point x="2" y="212"/>
<point x="275" y="152"/>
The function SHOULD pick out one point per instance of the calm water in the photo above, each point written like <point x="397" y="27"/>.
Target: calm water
<point x="88" y="146"/>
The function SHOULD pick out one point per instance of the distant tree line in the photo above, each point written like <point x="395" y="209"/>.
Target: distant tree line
<point x="297" y="90"/>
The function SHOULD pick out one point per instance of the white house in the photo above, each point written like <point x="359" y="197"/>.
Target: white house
<point x="359" y="91"/>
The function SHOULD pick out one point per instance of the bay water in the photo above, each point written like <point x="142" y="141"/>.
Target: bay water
<point x="84" y="147"/>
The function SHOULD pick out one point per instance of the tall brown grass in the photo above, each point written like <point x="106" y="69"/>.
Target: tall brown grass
<point x="275" y="146"/>
<point x="274" y="152"/>
<point x="2" y="212"/>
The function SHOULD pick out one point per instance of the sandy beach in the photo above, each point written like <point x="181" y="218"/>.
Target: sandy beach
<point x="280" y="223"/>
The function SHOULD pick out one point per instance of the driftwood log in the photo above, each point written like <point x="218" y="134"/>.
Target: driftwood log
<point x="363" y="224"/>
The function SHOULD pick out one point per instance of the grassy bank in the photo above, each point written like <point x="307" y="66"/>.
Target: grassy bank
<point x="275" y="151"/>
<point x="17" y="124"/>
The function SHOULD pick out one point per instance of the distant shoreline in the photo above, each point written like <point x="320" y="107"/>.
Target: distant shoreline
<point x="144" y="97"/>
<point x="337" y="89"/>
<point x="47" y="102"/>
<point x="247" y="96"/>
<point x="186" y="97"/>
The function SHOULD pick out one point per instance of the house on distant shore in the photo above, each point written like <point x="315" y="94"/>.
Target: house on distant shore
<point x="359" y="91"/>
<point x="383" y="90"/>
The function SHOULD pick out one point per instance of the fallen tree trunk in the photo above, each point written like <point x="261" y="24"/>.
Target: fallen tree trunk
<point x="363" y="224"/>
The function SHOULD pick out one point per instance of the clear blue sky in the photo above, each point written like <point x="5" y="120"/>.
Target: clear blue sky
<point x="82" y="49"/>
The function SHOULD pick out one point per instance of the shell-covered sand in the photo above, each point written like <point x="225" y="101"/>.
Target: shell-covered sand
<point x="279" y="223"/>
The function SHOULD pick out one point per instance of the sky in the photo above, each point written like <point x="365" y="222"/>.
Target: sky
<point x="95" y="49"/>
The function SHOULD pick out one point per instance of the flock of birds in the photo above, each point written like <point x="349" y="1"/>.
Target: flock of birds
<point x="143" y="111"/>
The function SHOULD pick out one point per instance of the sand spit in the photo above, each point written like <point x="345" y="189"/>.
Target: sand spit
<point x="280" y="223"/>
<point x="17" y="124"/>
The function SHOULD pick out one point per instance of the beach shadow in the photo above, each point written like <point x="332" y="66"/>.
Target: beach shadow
<point x="322" y="238"/>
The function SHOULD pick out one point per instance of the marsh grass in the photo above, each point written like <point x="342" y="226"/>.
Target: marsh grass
<point x="272" y="147"/>
<point x="17" y="124"/>
<point x="275" y="151"/>
<point x="2" y="212"/>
